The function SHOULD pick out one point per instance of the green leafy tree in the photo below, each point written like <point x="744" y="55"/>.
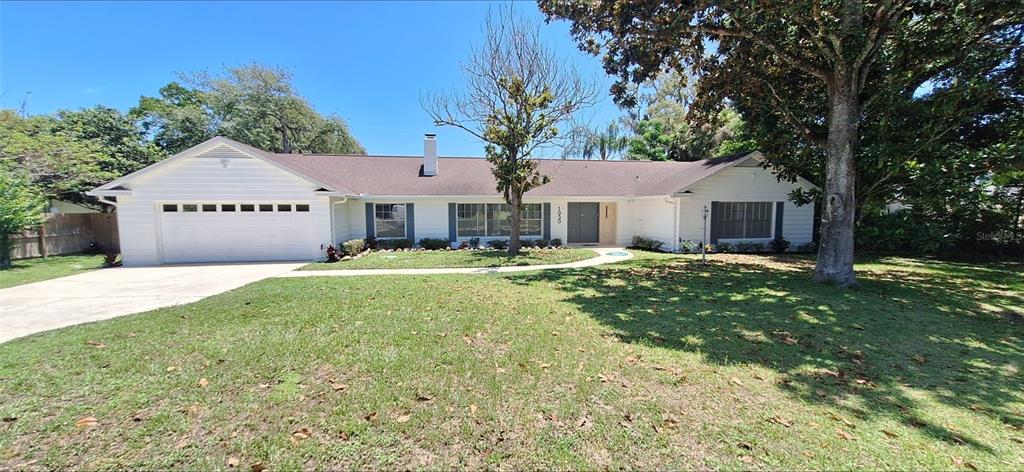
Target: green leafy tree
<point x="651" y="142"/>
<point x="517" y="92"/>
<point x="758" y="50"/>
<point x="21" y="206"/>
<point x="252" y="103"/>
<point x="60" y="165"/>
<point x="604" y="144"/>
<point x="258" y="105"/>
<point x="177" y="119"/>
<point x="124" y="145"/>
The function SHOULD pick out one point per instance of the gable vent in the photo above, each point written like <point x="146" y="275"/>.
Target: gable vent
<point x="223" y="152"/>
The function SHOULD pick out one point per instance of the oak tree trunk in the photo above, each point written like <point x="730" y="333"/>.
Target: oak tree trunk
<point x="835" y="250"/>
<point x="514" y="217"/>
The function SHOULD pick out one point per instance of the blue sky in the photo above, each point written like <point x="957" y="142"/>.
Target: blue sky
<point x="366" y="61"/>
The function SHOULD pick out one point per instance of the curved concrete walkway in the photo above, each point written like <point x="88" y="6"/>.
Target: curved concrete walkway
<point x="604" y="257"/>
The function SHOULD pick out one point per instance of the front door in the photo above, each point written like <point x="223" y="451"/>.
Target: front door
<point x="584" y="223"/>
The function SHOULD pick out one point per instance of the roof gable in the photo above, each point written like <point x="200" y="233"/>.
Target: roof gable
<point x="217" y="148"/>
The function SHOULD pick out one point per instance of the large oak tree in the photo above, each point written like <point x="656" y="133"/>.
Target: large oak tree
<point x="761" y="50"/>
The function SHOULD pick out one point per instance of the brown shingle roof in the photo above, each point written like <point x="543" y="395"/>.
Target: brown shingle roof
<point x="380" y="175"/>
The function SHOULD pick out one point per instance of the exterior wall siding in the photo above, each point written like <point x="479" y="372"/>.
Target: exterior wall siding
<point x="214" y="177"/>
<point x="745" y="184"/>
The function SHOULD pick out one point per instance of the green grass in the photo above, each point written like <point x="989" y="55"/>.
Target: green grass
<point x="434" y="259"/>
<point x="25" y="271"/>
<point x="654" y="363"/>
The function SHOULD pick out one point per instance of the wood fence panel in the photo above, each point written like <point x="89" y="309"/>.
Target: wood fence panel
<point x="67" y="233"/>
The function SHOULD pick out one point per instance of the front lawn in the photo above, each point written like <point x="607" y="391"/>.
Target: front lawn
<point x="434" y="259"/>
<point x="25" y="271"/>
<point x="653" y="363"/>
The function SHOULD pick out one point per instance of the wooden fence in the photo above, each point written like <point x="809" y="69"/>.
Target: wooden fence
<point x="67" y="233"/>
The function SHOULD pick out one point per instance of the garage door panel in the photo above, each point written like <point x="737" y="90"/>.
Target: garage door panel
<point x="237" y="236"/>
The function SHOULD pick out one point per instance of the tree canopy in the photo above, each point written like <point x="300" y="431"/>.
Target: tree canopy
<point x="815" y="67"/>
<point x="252" y="103"/>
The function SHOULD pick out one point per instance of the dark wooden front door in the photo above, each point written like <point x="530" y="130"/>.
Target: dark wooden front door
<point x="584" y="222"/>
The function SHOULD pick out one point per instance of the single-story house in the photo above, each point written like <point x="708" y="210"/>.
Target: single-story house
<point x="226" y="201"/>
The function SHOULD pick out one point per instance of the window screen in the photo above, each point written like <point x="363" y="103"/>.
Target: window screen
<point x="389" y="220"/>
<point x="743" y="220"/>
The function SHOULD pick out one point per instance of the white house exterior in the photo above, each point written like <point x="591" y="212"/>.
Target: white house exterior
<point x="224" y="201"/>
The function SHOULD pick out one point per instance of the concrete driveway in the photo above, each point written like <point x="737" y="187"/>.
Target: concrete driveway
<point x="108" y="293"/>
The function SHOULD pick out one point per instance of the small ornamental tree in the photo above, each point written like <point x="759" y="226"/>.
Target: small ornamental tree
<point x="517" y="93"/>
<point x="21" y="206"/>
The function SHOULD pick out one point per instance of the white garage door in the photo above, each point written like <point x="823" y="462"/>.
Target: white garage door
<point x="237" y="232"/>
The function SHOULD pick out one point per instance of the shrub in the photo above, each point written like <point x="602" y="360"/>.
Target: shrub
<point x="110" y="259"/>
<point x="647" y="244"/>
<point x="749" y="247"/>
<point x="353" y="247"/>
<point x="689" y="246"/>
<point x="556" y="243"/>
<point x="527" y="243"/>
<point x="543" y="243"/>
<point x="371" y="242"/>
<point x="500" y="244"/>
<point x="723" y="247"/>
<point x="435" y="244"/>
<point x="779" y="245"/>
<point x="397" y="243"/>
<point x="331" y="253"/>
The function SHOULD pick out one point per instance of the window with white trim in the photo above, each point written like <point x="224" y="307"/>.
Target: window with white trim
<point x="494" y="219"/>
<point x="744" y="220"/>
<point x="389" y="220"/>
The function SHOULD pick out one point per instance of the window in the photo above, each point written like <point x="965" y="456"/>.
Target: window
<point x="266" y="207"/>
<point x="493" y="219"/>
<point x="170" y="207"/>
<point x="531" y="220"/>
<point x="209" y="207"/>
<point x="389" y="220"/>
<point x="190" y="208"/>
<point x="247" y="207"/>
<point x="743" y="220"/>
<point x="284" y="207"/>
<point x="471" y="219"/>
<point x="227" y="207"/>
<point x="301" y="207"/>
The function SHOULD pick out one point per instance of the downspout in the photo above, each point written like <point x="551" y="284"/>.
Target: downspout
<point x="675" y="222"/>
<point x="107" y="201"/>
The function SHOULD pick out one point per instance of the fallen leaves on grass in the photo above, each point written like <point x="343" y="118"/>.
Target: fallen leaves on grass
<point x="96" y="344"/>
<point x="890" y="433"/>
<point x="777" y="419"/>
<point x="842" y="420"/>
<point x="370" y="416"/>
<point x="845" y="435"/>
<point x="233" y="462"/>
<point x="203" y="382"/>
<point x="172" y="369"/>
<point x="472" y="408"/>
<point x="258" y="467"/>
<point x="736" y="381"/>
<point x="301" y="434"/>
<point x="86" y="422"/>
<point x="338" y="387"/>
<point x="403" y="418"/>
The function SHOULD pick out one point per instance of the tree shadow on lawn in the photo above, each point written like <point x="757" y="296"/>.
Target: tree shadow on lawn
<point x="900" y="329"/>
